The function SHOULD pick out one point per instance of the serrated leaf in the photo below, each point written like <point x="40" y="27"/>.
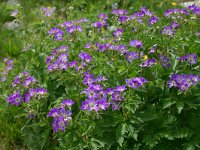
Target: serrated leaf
<point x="167" y="103"/>
<point x="121" y="130"/>
<point x="180" y="107"/>
<point x="120" y="141"/>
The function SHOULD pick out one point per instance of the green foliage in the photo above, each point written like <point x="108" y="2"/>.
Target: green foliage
<point x="152" y="117"/>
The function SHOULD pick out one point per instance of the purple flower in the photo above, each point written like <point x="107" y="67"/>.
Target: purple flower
<point x="72" y="63"/>
<point x="89" y="105"/>
<point x="85" y="57"/>
<point x="115" y="105"/>
<point x="173" y="12"/>
<point x="91" y="92"/>
<point x="57" y="33"/>
<point x="102" y="104"/>
<point x="104" y="47"/>
<point x="89" y="79"/>
<point x="54" y="112"/>
<point x="99" y="24"/>
<point x="183" y="82"/>
<point x="152" y="50"/>
<point x="88" y="45"/>
<point x="35" y="93"/>
<point x="61" y="123"/>
<point x="175" y="25"/>
<point x="116" y="96"/>
<point x="82" y="20"/>
<point x="136" y="43"/>
<point x="48" y="11"/>
<point x="28" y="81"/>
<point x="59" y="59"/>
<point x="130" y="56"/>
<point x="148" y="63"/>
<point x="15" y="98"/>
<point x="72" y="29"/>
<point x="136" y="82"/>
<point x="118" y="32"/>
<point x="103" y="16"/>
<point x="153" y="20"/>
<point x="14" y="13"/>
<point x="61" y="116"/>
<point x="58" y="36"/>
<point x="123" y="19"/>
<point x="110" y="91"/>
<point x="27" y="97"/>
<point x="40" y="91"/>
<point x="16" y="81"/>
<point x="171" y="83"/>
<point x="165" y="61"/>
<point x="121" y="48"/>
<point x="191" y="58"/>
<point x="67" y="103"/>
<point x="53" y="31"/>
<point x="67" y="24"/>
<point x="184" y="86"/>
<point x="9" y="66"/>
<point x="100" y="78"/>
<point x="168" y="30"/>
<point x="146" y="11"/>
<point x="121" y="88"/>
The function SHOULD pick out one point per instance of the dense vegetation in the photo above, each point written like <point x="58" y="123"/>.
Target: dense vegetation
<point x="99" y="75"/>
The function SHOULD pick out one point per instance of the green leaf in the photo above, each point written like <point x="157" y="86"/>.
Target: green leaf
<point x="121" y="130"/>
<point x="180" y="107"/>
<point x="167" y="103"/>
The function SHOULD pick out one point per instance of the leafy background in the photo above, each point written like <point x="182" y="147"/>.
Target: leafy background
<point x="150" y="118"/>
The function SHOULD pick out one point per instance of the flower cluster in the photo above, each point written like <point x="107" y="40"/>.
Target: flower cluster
<point x="99" y="98"/>
<point x="171" y="29"/>
<point x="61" y="115"/>
<point x="72" y="26"/>
<point x="190" y="58"/>
<point x="96" y="95"/>
<point x="183" y="82"/>
<point x="24" y="80"/>
<point x="175" y="13"/>
<point x="57" y="34"/>
<point x="34" y="93"/>
<point x="9" y="66"/>
<point x="109" y="46"/>
<point x="136" y="82"/>
<point x="73" y="29"/>
<point x="58" y="59"/>
<point x="168" y="30"/>
<point x="26" y="89"/>
<point x="137" y="16"/>
<point x="100" y="24"/>
<point x="69" y="26"/>
<point x="195" y="9"/>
